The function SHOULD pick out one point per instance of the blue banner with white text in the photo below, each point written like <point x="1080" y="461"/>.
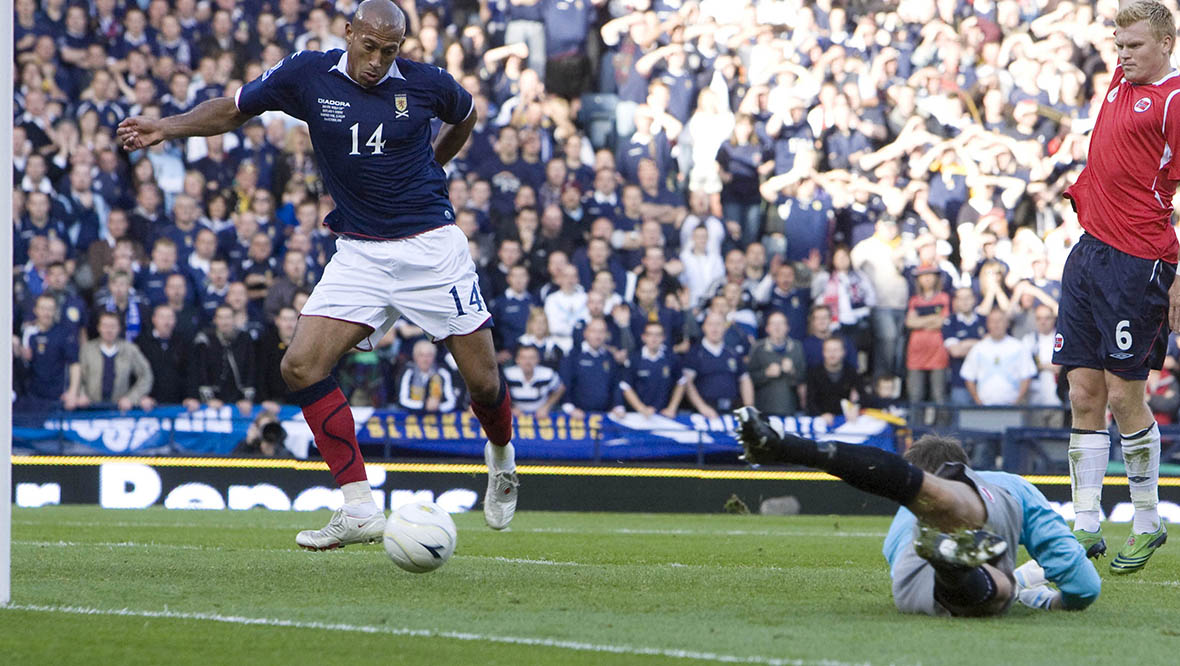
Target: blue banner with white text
<point x="596" y="436"/>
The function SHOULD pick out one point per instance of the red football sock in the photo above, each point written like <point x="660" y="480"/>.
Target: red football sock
<point x="496" y="419"/>
<point x="327" y="413"/>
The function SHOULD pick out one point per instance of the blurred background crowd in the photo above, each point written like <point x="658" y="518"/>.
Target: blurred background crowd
<point x="674" y="205"/>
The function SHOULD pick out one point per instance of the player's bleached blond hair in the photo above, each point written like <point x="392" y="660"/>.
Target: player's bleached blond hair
<point x="1159" y="18"/>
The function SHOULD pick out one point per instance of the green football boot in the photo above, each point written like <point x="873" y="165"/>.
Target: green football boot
<point x="1138" y="549"/>
<point x="1093" y="542"/>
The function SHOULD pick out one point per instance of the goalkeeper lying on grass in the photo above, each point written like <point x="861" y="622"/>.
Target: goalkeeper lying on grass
<point x="952" y="546"/>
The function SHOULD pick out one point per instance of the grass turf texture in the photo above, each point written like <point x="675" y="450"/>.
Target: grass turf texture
<point x="561" y="588"/>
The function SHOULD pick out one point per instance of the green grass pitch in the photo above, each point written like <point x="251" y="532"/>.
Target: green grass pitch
<point x="148" y="587"/>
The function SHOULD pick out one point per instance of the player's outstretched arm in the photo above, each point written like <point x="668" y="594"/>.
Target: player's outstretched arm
<point x="1049" y="541"/>
<point x="216" y="116"/>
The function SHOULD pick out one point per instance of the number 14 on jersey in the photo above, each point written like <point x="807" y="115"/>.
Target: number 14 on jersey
<point x="374" y="141"/>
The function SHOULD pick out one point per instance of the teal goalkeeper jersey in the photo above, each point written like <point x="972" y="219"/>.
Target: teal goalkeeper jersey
<point x="1043" y="533"/>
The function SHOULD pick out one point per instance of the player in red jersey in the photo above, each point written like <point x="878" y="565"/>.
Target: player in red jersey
<point x="1118" y="288"/>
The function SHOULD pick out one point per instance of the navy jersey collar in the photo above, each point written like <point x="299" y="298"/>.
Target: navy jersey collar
<point x="342" y="67"/>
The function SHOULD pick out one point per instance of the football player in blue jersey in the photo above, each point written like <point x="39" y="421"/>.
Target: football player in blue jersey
<point x="399" y="253"/>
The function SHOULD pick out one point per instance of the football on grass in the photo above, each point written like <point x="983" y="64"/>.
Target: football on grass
<point x="420" y="537"/>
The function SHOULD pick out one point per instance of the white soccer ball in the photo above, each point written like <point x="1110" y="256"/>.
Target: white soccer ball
<point x="420" y="537"/>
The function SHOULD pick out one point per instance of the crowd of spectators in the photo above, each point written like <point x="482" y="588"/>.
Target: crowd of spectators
<point x="674" y="205"/>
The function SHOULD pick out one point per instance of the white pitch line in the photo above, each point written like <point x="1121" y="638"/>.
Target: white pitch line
<point x="523" y="560"/>
<point x="362" y="551"/>
<point x="427" y="633"/>
<point x="134" y="524"/>
<point x="687" y="532"/>
<point x="537" y="530"/>
<point x="1162" y="583"/>
<point x="114" y="544"/>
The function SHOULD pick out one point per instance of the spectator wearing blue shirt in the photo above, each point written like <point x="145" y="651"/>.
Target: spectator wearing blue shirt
<point x="212" y="292"/>
<point x="26" y="27"/>
<point x="789" y="138"/>
<point x="71" y="309"/>
<point x="1041" y="289"/>
<point x="819" y="329"/>
<point x="579" y="171"/>
<point x="136" y="35"/>
<point x="506" y="173"/>
<point x="961" y="332"/>
<point x="49" y="353"/>
<point x="120" y="298"/>
<point x="82" y="208"/>
<point x="715" y="375"/>
<point x="649" y="141"/>
<point x="739" y="160"/>
<point x="102" y="101"/>
<point x="793" y="300"/>
<point x="216" y="166"/>
<point x="659" y="202"/>
<point x="567" y="29"/>
<point x="171" y="42"/>
<point x="842" y="144"/>
<point x="653" y="376"/>
<point x="591" y="374"/>
<point x="38" y="220"/>
<point x="201" y="259"/>
<point x="508" y="255"/>
<point x="151" y="280"/>
<point x="234" y="243"/>
<point x="603" y="200"/>
<point x="680" y="82"/>
<point x="619" y="340"/>
<point x="596" y="258"/>
<point x="806" y="212"/>
<point x="511" y="311"/>
<point x="257" y="150"/>
<point x="648" y="309"/>
<point x="31" y="276"/>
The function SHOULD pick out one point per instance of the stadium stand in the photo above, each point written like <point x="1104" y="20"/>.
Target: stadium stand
<point x="702" y="145"/>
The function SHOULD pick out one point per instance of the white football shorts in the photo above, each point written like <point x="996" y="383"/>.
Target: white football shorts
<point x="429" y="279"/>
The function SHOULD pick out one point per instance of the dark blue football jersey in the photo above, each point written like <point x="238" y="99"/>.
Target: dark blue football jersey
<point x="373" y="145"/>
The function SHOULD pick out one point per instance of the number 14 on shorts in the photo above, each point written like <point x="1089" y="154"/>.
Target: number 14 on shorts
<point x="475" y="301"/>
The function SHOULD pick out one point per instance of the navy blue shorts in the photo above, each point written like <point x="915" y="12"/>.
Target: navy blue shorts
<point x="1113" y="313"/>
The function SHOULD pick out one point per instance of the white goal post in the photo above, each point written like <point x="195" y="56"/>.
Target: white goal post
<point x="7" y="86"/>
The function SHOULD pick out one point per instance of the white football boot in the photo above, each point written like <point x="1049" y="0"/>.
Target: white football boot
<point x="499" y="504"/>
<point x="343" y="530"/>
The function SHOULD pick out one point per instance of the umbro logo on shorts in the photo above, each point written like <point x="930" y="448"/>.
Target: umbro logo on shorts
<point x="1122" y="356"/>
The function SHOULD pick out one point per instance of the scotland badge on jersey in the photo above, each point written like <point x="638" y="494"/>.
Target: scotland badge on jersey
<point x="402" y="105"/>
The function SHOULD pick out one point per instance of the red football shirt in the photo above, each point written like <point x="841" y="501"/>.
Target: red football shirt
<point x="1124" y="194"/>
